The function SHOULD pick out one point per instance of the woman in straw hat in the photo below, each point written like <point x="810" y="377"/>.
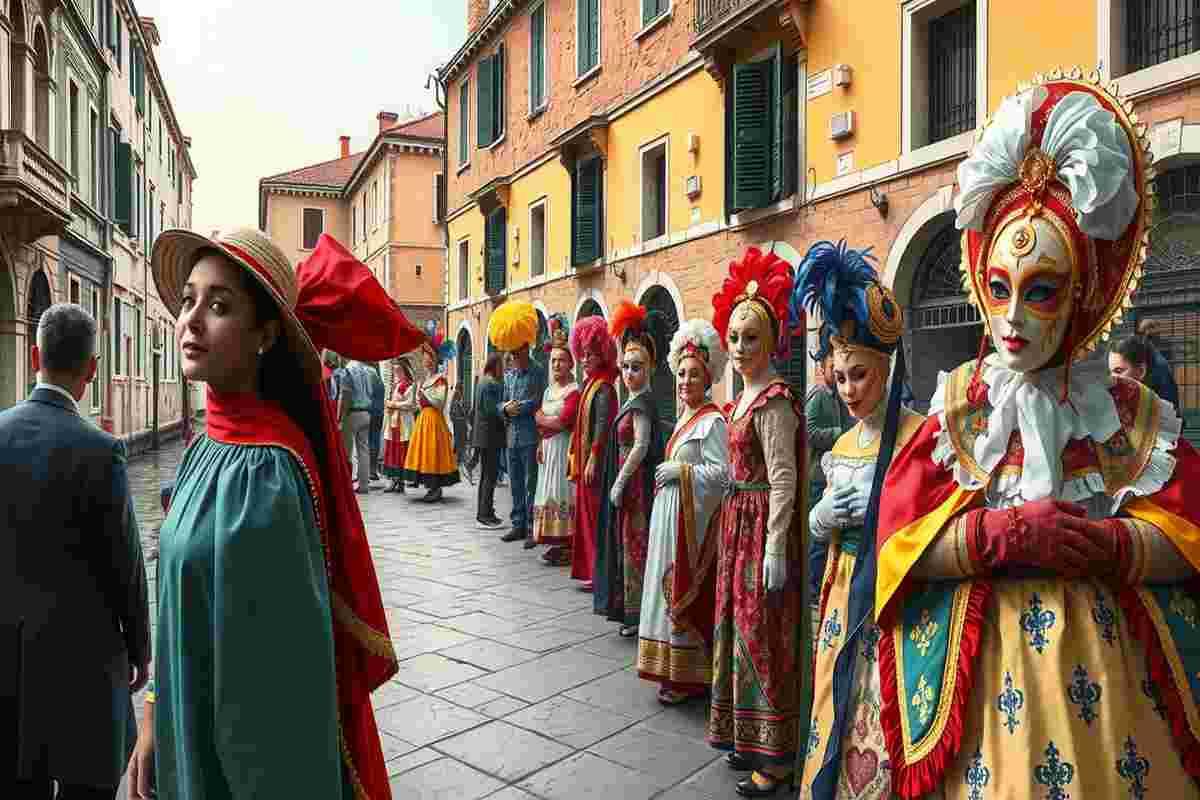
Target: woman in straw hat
<point x="401" y="411"/>
<point x="264" y="559"/>
<point x="430" y="461"/>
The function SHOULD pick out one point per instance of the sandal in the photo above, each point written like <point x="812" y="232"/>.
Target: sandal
<point x="670" y="697"/>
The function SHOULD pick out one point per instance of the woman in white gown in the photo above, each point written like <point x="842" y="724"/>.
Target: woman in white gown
<point x="675" y="639"/>
<point x="554" y="500"/>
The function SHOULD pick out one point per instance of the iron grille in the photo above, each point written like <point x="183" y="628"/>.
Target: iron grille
<point x="710" y="12"/>
<point x="663" y="385"/>
<point x="1160" y="30"/>
<point x="952" y="73"/>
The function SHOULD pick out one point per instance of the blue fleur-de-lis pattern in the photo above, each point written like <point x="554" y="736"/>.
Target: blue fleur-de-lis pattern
<point x="1010" y="701"/>
<point x="1037" y="621"/>
<point x="1084" y="693"/>
<point x="1104" y="616"/>
<point x="977" y="777"/>
<point x="1055" y="774"/>
<point x="831" y="631"/>
<point x="1133" y="767"/>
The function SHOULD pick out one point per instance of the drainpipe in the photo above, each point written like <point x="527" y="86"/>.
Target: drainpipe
<point x="439" y="96"/>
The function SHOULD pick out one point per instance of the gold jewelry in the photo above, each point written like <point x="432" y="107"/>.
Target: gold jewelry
<point x="884" y="317"/>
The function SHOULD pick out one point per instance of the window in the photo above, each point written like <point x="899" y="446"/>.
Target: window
<point x="374" y="205"/>
<point x="160" y="138"/>
<point x="537" y="58"/>
<point x="122" y="178"/>
<point x="117" y="36"/>
<point x="94" y="145"/>
<point x="1157" y="31"/>
<point x="353" y="225"/>
<point x="73" y="291"/>
<point x="73" y="110"/>
<point x="952" y="74"/>
<point x="587" y="211"/>
<point x="140" y="337"/>
<point x="762" y="150"/>
<point x="490" y="100"/>
<point x="439" y="198"/>
<point x="464" y="126"/>
<point x="135" y="215"/>
<point x="653" y="9"/>
<point x="495" y="235"/>
<point x="587" y="36"/>
<point x="654" y="190"/>
<point x="95" y="308"/>
<point x="151" y="232"/>
<point x="464" y="269"/>
<point x="418" y="270"/>
<point x="118" y="340"/>
<point x="537" y="239"/>
<point x="314" y="226"/>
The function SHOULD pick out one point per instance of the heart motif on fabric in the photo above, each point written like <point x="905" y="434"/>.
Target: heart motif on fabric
<point x="861" y="768"/>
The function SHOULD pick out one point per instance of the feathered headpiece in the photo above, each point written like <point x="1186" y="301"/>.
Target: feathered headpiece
<point x="856" y="309"/>
<point x="438" y="345"/>
<point x="513" y="326"/>
<point x="634" y="324"/>
<point x="697" y="338"/>
<point x="590" y="335"/>
<point x="761" y="278"/>
<point x="559" y="333"/>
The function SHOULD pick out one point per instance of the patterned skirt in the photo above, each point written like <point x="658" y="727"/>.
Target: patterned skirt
<point x="394" y="453"/>
<point x="554" y="500"/>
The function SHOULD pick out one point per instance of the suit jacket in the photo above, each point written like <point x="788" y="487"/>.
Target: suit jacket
<point x="71" y="569"/>
<point x="489" y="424"/>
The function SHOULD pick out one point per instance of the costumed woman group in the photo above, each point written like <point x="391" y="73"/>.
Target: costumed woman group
<point x="1009" y="604"/>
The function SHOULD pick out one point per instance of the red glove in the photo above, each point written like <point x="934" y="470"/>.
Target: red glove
<point x="1115" y="539"/>
<point x="1045" y="534"/>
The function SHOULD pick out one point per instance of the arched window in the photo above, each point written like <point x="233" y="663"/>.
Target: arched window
<point x="39" y="301"/>
<point x="41" y="88"/>
<point x="466" y="371"/>
<point x="17" y="66"/>
<point x="663" y="380"/>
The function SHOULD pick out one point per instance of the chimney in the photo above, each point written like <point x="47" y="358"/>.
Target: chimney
<point x="387" y="119"/>
<point x="345" y="141"/>
<point x="477" y="11"/>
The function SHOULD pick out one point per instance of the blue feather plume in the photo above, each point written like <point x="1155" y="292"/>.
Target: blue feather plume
<point x="447" y="351"/>
<point x="833" y="278"/>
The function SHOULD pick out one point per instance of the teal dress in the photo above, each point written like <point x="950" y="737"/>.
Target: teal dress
<point x="245" y="684"/>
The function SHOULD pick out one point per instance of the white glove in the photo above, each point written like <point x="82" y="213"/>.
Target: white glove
<point x="850" y="507"/>
<point x="829" y="512"/>
<point x="614" y="496"/>
<point x="667" y="472"/>
<point x="775" y="572"/>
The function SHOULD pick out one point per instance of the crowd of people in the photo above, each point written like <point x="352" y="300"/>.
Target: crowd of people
<point x="996" y="599"/>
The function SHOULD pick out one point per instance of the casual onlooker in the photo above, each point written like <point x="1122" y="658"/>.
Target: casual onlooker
<point x="74" y="616"/>
<point x="1136" y="358"/>
<point x="826" y="418"/>
<point x="354" y="410"/>
<point x="524" y="386"/>
<point x="333" y="366"/>
<point x="488" y="439"/>
<point x="460" y="415"/>
<point x="378" y="399"/>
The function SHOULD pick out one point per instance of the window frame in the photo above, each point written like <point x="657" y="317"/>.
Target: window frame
<point x="95" y="149"/>
<point x="536" y="108"/>
<point x="117" y="338"/>
<point x="542" y="204"/>
<point x="303" y="213"/>
<point x="497" y="98"/>
<point x="74" y="289"/>
<point x="464" y="268"/>
<point x="650" y="22"/>
<point x="73" y="130"/>
<point x="464" y="124"/>
<point x="582" y="75"/>
<point x="94" y="307"/>
<point x="663" y="142"/>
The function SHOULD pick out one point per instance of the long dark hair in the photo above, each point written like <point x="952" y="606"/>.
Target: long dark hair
<point x="1137" y="350"/>
<point x="492" y="365"/>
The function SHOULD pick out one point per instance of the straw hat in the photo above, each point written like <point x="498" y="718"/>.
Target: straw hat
<point x="174" y="256"/>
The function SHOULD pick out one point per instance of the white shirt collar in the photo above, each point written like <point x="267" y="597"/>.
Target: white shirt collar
<point x="52" y="387"/>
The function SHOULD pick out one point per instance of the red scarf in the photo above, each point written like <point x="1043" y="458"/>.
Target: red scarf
<point x="362" y="647"/>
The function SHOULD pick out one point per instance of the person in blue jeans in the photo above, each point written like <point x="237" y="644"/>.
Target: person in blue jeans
<point x="524" y="385"/>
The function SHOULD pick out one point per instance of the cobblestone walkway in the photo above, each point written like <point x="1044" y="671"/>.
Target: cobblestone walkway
<point x="509" y="686"/>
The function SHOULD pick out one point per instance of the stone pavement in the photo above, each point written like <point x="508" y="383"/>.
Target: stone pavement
<point x="509" y="686"/>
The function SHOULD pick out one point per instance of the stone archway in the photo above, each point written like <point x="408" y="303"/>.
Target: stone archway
<point x="662" y="386"/>
<point x="38" y="301"/>
<point x="465" y="366"/>
<point x="9" y="341"/>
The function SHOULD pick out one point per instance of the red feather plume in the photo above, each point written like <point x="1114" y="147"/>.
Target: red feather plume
<point x="774" y="278"/>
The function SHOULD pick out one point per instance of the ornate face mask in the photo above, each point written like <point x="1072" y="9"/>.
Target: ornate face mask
<point x="635" y="370"/>
<point x="1028" y="292"/>
<point x="749" y="339"/>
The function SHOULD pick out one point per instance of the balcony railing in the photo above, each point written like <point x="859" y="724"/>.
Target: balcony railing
<point x="711" y="12"/>
<point x="35" y="190"/>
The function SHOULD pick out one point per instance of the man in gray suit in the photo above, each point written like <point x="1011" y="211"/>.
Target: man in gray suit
<point x="74" y="621"/>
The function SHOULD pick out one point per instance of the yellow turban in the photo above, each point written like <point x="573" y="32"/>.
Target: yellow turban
<point x="513" y="325"/>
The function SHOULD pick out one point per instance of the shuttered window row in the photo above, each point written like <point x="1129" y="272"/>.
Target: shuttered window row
<point x="763" y="142"/>
<point x="587" y="211"/>
<point x="587" y="28"/>
<point x="490" y="99"/>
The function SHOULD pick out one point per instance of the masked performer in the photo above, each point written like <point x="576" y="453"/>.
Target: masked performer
<point x="263" y="550"/>
<point x="761" y="653"/>
<point x="594" y="348"/>
<point x="675" y="640"/>
<point x="554" y="500"/>
<point x="401" y="410"/>
<point x="1036" y="543"/>
<point x="861" y="326"/>
<point x="430" y="461"/>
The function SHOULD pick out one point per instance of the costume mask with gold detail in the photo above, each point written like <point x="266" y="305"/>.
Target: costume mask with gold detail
<point x="641" y="334"/>
<point x="1053" y="204"/>
<point x="755" y="294"/>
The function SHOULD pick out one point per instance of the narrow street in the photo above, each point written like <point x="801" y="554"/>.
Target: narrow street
<point x="509" y="686"/>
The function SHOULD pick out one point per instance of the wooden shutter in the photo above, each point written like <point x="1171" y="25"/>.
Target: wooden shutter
<point x="312" y="222"/>
<point x="498" y="94"/>
<point x="464" y="129"/>
<point x="439" y="197"/>
<point x="752" y="134"/>
<point x="537" y="46"/>
<point x="484" y="106"/>
<point x="123" y="185"/>
<point x="790" y="112"/>
<point x="586" y="212"/>
<point x="777" y="122"/>
<point x="495" y="237"/>
<point x="652" y="10"/>
<point x="588" y="24"/>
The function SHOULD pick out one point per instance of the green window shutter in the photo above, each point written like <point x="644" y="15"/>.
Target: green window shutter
<point x="752" y="134"/>
<point x="586" y="213"/>
<point x="495" y="237"/>
<point x="588" y="33"/>
<point x="498" y="94"/>
<point x="123" y="183"/>
<point x="652" y="10"/>
<point x="464" y="128"/>
<point x="594" y="30"/>
<point x="791" y="125"/>
<point x="777" y="132"/>
<point x="537" y="46"/>
<point x="484" y="103"/>
<point x="141" y="83"/>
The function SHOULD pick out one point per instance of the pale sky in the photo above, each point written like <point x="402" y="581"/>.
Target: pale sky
<point x="267" y="86"/>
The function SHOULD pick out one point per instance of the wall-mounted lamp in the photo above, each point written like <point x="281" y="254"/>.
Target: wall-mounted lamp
<point x="812" y="181"/>
<point x="619" y="271"/>
<point x="880" y="201"/>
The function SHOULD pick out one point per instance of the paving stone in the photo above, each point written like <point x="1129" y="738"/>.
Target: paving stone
<point x="501" y="707"/>
<point x="391" y="693"/>
<point x="548" y="676"/>
<point x="511" y="793"/>
<point x="469" y="695"/>
<point x="442" y="780"/>
<point x="504" y="750"/>
<point x="623" y="692"/>
<point x="471" y="580"/>
<point x="654" y="752"/>
<point x="417" y="758"/>
<point x="481" y="624"/>
<point x="543" y="640"/>
<point x="489" y="655"/>
<point x="716" y="780"/>
<point x="584" y="621"/>
<point x="689" y="720"/>
<point x="614" y="646"/>
<point x="587" y="775"/>
<point x="570" y="721"/>
<point x="414" y="640"/>
<point x="426" y="719"/>
<point x="394" y="747"/>
<point x="432" y="671"/>
<point x="686" y="792"/>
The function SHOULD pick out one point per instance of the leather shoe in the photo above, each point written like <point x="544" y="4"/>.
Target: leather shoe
<point x="738" y="762"/>
<point x="530" y="543"/>
<point x="749" y="787"/>
<point x="515" y="535"/>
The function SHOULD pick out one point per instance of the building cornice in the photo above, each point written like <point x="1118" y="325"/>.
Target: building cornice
<point x="392" y="140"/>
<point x="494" y="22"/>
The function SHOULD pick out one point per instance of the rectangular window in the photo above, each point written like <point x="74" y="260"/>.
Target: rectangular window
<point x="495" y="230"/>
<point x="118" y="37"/>
<point x="439" y="198"/>
<point x="762" y="150"/>
<point x="587" y="35"/>
<point x="537" y="58"/>
<point x="138" y="203"/>
<point x="140" y="337"/>
<point x="490" y="99"/>
<point x="537" y="239"/>
<point x="1160" y="30"/>
<point x="73" y="110"/>
<point x="654" y="191"/>
<point x="464" y="269"/>
<point x="151" y="232"/>
<point x="118" y="341"/>
<point x="587" y="212"/>
<point x="94" y="146"/>
<point x="353" y="225"/>
<point x="653" y="9"/>
<point x="464" y="123"/>
<point x="314" y="226"/>
<point x="73" y="291"/>
<point x="952" y="40"/>
<point x="94" y="293"/>
<point x="160" y="138"/>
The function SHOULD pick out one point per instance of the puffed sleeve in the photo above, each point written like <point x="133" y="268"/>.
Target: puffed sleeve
<point x="776" y="424"/>
<point x="273" y="659"/>
<point x="436" y="394"/>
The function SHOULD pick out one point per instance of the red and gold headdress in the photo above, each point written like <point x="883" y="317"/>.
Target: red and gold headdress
<point x="1071" y="152"/>
<point x="763" y="279"/>
<point x="636" y="325"/>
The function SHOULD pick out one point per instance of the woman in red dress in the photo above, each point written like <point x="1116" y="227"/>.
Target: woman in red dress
<point x="401" y="408"/>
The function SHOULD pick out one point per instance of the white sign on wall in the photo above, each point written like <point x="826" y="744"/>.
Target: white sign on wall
<point x="820" y="84"/>
<point x="1166" y="139"/>
<point x="845" y="163"/>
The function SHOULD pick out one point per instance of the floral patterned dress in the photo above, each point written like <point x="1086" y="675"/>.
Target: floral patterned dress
<point x="554" y="500"/>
